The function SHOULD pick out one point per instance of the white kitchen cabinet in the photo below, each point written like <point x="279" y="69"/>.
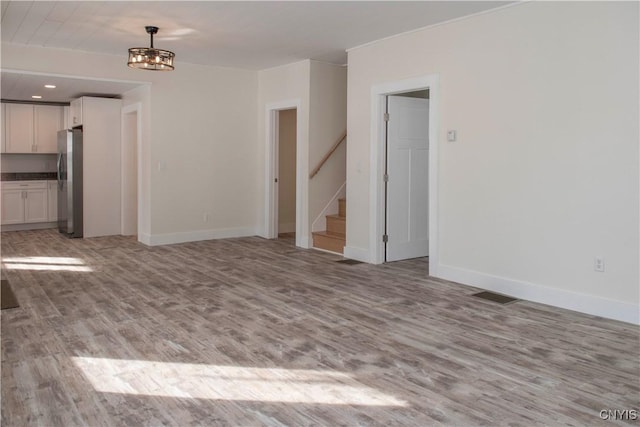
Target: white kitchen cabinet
<point x="24" y="202"/>
<point x="32" y="128"/>
<point x="19" y="128"/>
<point x="52" y="190"/>
<point x="35" y="205"/>
<point x="48" y="120"/>
<point x="12" y="206"/>
<point x="75" y="113"/>
<point x="66" y="114"/>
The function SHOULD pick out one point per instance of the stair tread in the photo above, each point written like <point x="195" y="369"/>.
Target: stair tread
<point x="329" y="241"/>
<point x="337" y="216"/>
<point x="329" y="234"/>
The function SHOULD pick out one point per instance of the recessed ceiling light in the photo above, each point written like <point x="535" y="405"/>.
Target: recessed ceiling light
<point x="36" y="96"/>
<point x="50" y="86"/>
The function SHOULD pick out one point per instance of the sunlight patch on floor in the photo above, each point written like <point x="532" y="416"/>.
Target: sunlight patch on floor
<point x="200" y="381"/>
<point x="45" y="264"/>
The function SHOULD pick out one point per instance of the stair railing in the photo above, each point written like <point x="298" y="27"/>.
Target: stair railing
<point x="326" y="156"/>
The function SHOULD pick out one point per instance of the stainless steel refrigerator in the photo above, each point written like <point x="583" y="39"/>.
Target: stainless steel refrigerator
<point x="70" y="182"/>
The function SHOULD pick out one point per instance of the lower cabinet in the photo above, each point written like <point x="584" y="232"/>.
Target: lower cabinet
<point x="25" y="202"/>
<point x="52" y="187"/>
<point x="12" y="206"/>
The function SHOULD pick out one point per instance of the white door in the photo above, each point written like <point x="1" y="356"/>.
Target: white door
<point x="407" y="219"/>
<point x="48" y="121"/>
<point x="36" y="205"/>
<point x="13" y="206"/>
<point x="19" y="128"/>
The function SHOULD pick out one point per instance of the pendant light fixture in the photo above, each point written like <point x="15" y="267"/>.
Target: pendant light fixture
<point x="150" y="58"/>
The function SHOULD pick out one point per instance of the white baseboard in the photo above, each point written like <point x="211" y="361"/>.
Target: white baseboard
<point x="29" y="226"/>
<point x="144" y="239"/>
<point x="583" y="303"/>
<point x="326" y="251"/>
<point x="194" y="236"/>
<point x="305" y="242"/>
<point x="359" y="254"/>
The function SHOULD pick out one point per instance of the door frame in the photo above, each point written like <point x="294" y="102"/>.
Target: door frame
<point x="271" y="172"/>
<point x="377" y="202"/>
<point x="131" y="109"/>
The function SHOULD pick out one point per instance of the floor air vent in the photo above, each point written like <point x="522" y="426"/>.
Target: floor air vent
<point x="349" y="261"/>
<point x="492" y="296"/>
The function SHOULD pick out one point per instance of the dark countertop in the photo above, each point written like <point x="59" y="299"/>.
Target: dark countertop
<point x="28" y="176"/>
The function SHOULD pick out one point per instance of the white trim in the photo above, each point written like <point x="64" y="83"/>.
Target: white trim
<point x="583" y="303"/>
<point x="144" y="238"/>
<point x="326" y="251"/>
<point x="304" y="241"/>
<point x="29" y="226"/>
<point x="438" y="24"/>
<point x="194" y="236"/>
<point x="77" y="77"/>
<point x="130" y="109"/>
<point x="359" y="254"/>
<point x="320" y="223"/>
<point x="302" y="173"/>
<point x="376" y="188"/>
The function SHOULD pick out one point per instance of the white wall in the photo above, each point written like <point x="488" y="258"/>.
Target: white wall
<point x="101" y="184"/>
<point x="320" y="91"/>
<point x="544" y="175"/>
<point x="288" y="85"/>
<point x="328" y="121"/>
<point x="201" y="150"/>
<point x="141" y="96"/>
<point x="204" y="164"/>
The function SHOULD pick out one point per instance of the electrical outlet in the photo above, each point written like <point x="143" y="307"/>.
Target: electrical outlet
<point x="205" y="217"/>
<point x="598" y="264"/>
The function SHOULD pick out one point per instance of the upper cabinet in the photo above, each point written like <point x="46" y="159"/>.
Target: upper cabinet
<point x="19" y="128"/>
<point x="31" y="128"/>
<point x="48" y="120"/>
<point x="75" y="116"/>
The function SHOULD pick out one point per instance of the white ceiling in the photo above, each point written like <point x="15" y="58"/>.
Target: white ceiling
<point x="242" y="34"/>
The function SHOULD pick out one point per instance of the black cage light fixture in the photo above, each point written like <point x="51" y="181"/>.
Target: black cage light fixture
<point x="150" y="58"/>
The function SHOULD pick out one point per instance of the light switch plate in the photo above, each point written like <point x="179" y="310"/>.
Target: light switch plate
<point x="451" y="135"/>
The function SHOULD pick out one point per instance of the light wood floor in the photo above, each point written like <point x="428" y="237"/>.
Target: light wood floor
<point x="256" y="332"/>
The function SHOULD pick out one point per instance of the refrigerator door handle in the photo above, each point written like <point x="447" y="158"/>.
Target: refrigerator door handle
<point x="59" y="171"/>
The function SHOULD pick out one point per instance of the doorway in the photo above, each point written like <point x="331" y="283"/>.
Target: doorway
<point x="130" y="158"/>
<point x="286" y="178"/>
<point x="271" y="216"/>
<point x="407" y="176"/>
<point x="380" y="93"/>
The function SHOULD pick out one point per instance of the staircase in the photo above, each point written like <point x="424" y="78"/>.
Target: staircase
<point x="334" y="238"/>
